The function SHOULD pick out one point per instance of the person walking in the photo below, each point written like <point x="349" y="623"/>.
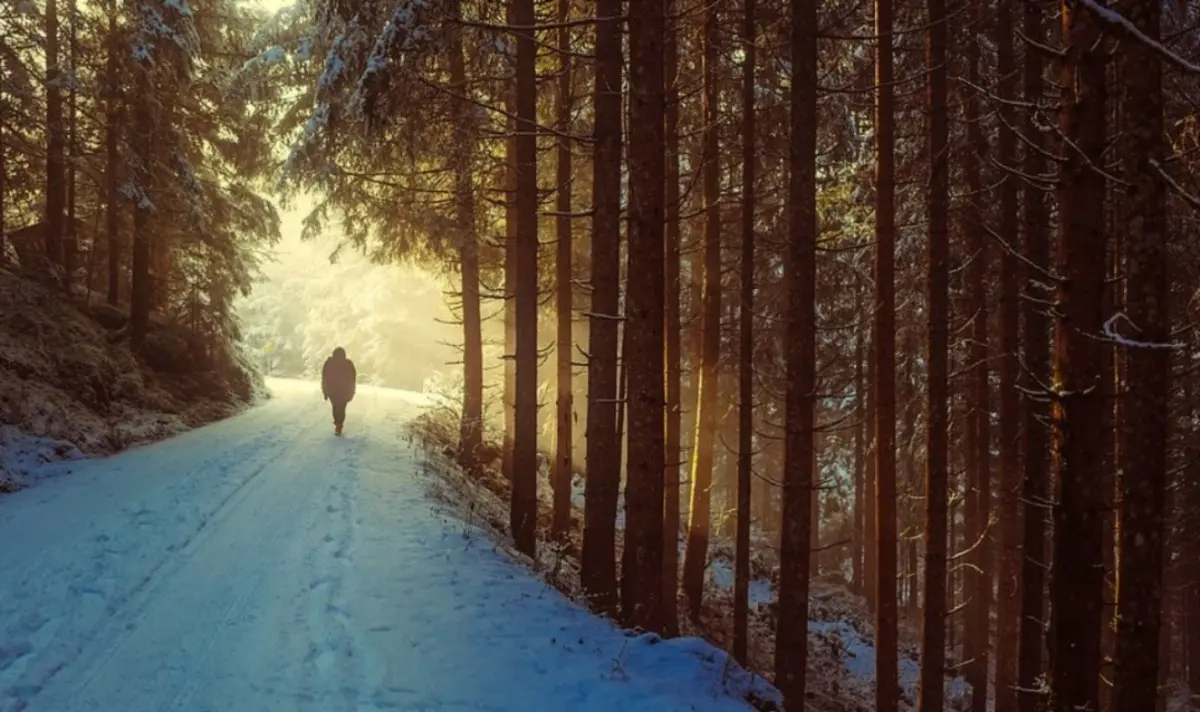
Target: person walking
<point x="338" y="385"/>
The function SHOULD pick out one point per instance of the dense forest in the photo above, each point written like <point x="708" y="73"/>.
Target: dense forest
<point x="897" y="292"/>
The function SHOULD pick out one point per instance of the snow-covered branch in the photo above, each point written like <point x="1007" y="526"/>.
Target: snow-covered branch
<point x="1111" y="334"/>
<point x="1119" y="25"/>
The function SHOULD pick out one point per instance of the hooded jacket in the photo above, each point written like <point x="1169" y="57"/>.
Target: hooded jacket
<point x="338" y="377"/>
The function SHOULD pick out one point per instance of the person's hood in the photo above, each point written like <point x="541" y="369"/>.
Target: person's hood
<point x="339" y="353"/>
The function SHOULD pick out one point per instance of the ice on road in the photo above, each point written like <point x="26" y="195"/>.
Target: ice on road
<point x="263" y="564"/>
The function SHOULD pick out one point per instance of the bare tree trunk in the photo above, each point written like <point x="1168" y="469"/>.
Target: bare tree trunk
<point x="112" y="138"/>
<point x="471" y="426"/>
<point x="55" y="189"/>
<point x="886" y="635"/>
<point x="524" y="475"/>
<point x="641" y="563"/>
<point x="977" y="615"/>
<point x="1008" y="546"/>
<point x="931" y="690"/>
<point x="800" y="272"/>
<point x="1034" y="489"/>
<point x="1143" y="479"/>
<point x="1077" y="583"/>
<point x="696" y="557"/>
<point x="741" y="592"/>
<point x="674" y="448"/>
<point x="70" y="246"/>
<point x="509" y="392"/>
<point x="870" y="504"/>
<point x="561" y="476"/>
<point x="599" y="569"/>
<point x="141" y="287"/>
<point x="860" y="414"/>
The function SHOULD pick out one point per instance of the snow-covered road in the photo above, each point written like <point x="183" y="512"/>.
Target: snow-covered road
<point x="263" y="564"/>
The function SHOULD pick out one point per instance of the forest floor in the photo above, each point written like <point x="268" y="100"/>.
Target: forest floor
<point x="841" y="665"/>
<point x="70" y="387"/>
<point x="261" y="563"/>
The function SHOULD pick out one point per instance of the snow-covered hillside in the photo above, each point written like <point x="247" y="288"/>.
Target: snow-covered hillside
<point x="70" y="386"/>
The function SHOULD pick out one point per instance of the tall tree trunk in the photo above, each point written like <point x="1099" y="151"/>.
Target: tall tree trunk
<point x="860" y="414"/>
<point x="1143" y="479"/>
<point x="525" y="467"/>
<point x="1077" y="582"/>
<point x="1008" y="547"/>
<point x="471" y="426"/>
<point x="886" y="635"/>
<point x="70" y="246"/>
<point x="741" y="592"/>
<point x="112" y="151"/>
<point x="561" y="476"/>
<point x="695" y="559"/>
<point x="931" y="691"/>
<point x="674" y="447"/>
<point x="979" y="430"/>
<point x="800" y="273"/>
<point x="141" y="294"/>
<point x="55" y="189"/>
<point x="1034" y="489"/>
<point x="599" y="569"/>
<point x="870" y="504"/>
<point x="641" y="562"/>
<point x="509" y="391"/>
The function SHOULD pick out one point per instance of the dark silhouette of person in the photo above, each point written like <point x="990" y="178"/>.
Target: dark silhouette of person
<point x="338" y="385"/>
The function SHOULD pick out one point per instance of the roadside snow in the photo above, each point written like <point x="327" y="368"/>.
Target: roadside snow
<point x="261" y="563"/>
<point x="24" y="457"/>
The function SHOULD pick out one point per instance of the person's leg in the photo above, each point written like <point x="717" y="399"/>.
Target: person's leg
<point x="339" y="413"/>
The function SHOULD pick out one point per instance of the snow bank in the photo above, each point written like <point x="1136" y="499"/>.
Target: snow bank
<point x="841" y="671"/>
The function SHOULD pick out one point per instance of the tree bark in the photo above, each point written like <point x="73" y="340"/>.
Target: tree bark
<point x="112" y="139"/>
<point x="509" y="391"/>
<point x="741" y="593"/>
<point x="870" y="504"/>
<point x="471" y="426"/>
<point x="979" y="429"/>
<point x="695" y="559"/>
<point x="1008" y="546"/>
<point x="525" y="467"/>
<point x="565" y="308"/>
<point x="860" y="415"/>
<point x="1143" y="479"/>
<point x="1034" y="490"/>
<point x="70" y="245"/>
<point x="931" y="690"/>
<point x="141" y="291"/>
<point x="673" y="472"/>
<point x="800" y="272"/>
<point x="55" y="144"/>
<point x="641" y="563"/>
<point x="1077" y="582"/>
<point x="599" y="574"/>
<point x="886" y="634"/>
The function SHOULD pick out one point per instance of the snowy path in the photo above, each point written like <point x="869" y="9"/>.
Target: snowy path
<point x="262" y="564"/>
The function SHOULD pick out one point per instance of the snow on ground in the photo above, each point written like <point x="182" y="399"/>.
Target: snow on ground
<point x="260" y="563"/>
<point x="720" y="573"/>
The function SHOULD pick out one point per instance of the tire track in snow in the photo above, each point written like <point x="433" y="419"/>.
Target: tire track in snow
<point x="124" y="610"/>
